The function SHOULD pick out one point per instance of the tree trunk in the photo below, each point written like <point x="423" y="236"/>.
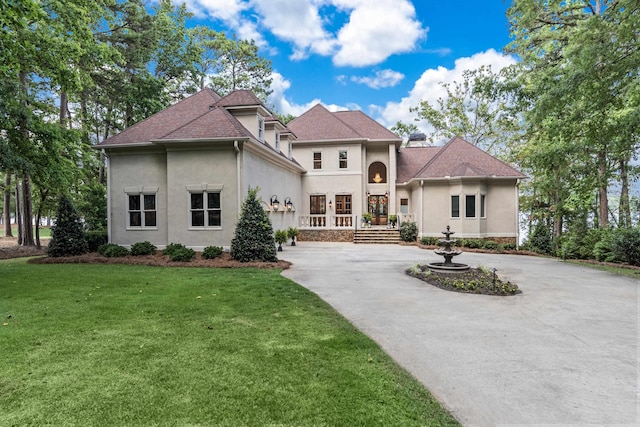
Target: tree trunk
<point x="7" y="205"/>
<point x="27" y="210"/>
<point x="624" y="213"/>
<point x="19" y="211"/>
<point x="602" y="190"/>
<point x="64" y="108"/>
<point x="43" y="197"/>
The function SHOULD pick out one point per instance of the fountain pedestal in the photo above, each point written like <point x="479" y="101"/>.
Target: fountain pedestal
<point x="448" y="253"/>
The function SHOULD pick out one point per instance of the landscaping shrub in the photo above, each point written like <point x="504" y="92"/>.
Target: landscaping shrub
<point x="172" y="247"/>
<point x="253" y="239"/>
<point x="67" y="236"/>
<point x="494" y="246"/>
<point x="509" y="246"/>
<point x="111" y="250"/>
<point x="95" y="239"/>
<point x="182" y="254"/>
<point x="408" y="231"/>
<point x="143" y="248"/>
<point x="429" y="240"/>
<point x="292" y="233"/>
<point x="280" y="237"/>
<point x="211" y="252"/>
<point x="626" y="245"/>
<point x="473" y="243"/>
<point x="540" y="240"/>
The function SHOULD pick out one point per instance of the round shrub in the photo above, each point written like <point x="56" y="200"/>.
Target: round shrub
<point x="111" y="250"/>
<point x="95" y="239"/>
<point x="211" y="252"/>
<point x="509" y="246"/>
<point x="183" y="254"/>
<point x="172" y="247"/>
<point x="408" y="231"/>
<point x="143" y="248"/>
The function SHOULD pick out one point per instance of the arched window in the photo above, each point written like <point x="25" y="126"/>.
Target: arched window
<point x="377" y="173"/>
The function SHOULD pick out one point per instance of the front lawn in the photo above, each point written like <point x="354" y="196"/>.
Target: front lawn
<point x="133" y="345"/>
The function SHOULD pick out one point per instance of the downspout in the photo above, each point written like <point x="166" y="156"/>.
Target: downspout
<point x="109" y="219"/>
<point x="517" y="215"/>
<point x="421" y="208"/>
<point x="238" y="184"/>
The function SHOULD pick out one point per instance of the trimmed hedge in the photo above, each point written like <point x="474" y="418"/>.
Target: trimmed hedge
<point x="95" y="239"/>
<point x="211" y="252"/>
<point x="143" y="248"/>
<point x="183" y="254"/>
<point x="111" y="250"/>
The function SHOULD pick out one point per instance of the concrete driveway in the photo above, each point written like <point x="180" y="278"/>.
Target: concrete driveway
<point x="565" y="352"/>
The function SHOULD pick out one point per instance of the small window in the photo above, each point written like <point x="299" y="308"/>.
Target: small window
<point x="261" y="128"/>
<point x="205" y="210"/>
<point x="317" y="160"/>
<point x="343" y="204"/>
<point x="342" y="159"/>
<point x="318" y="204"/>
<point x="277" y="141"/>
<point x="470" y="207"/>
<point x="404" y="206"/>
<point x="455" y="206"/>
<point x="141" y="210"/>
<point x="483" y="199"/>
<point x="289" y="150"/>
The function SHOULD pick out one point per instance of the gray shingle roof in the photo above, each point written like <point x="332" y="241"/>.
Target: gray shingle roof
<point x="458" y="158"/>
<point x="165" y="121"/>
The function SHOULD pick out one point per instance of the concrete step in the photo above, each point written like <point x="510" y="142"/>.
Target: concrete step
<point x="376" y="236"/>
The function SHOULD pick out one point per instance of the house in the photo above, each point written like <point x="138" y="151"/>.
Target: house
<point x="180" y="176"/>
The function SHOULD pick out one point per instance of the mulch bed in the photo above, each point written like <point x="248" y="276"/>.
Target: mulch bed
<point x="159" y="260"/>
<point x="472" y="281"/>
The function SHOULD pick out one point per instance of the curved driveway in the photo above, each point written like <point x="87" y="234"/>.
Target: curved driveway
<point x="565" y="352"/>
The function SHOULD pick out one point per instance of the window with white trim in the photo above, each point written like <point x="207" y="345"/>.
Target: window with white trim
<point x="404" y="206"/>
<point x="317" y="160"/>
<point x="205" y="209"/>
<point x="277" y="141"/>
<point x="470" y="206"/>
<point x="455" y="206"/>
<point x="342" y="159"/>
<point x="483" y="201"/>
<point x="141" y="210"/>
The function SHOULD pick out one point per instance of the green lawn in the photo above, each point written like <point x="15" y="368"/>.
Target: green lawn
<point x="126" y="345"/>
<point x="44" y="231"/>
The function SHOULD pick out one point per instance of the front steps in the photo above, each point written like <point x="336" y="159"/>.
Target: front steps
<point x="376" y="235"/>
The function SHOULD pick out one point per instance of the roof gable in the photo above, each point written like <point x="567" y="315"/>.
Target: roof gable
<point x="320" y="124"/>
<point x="216" y="123"/>
<point x="458" y="158"/>
<point x="167" y="120"/>
<point x="365" y="126"/>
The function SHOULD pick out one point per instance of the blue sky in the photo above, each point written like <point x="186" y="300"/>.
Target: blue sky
<point x="379" y="56"/>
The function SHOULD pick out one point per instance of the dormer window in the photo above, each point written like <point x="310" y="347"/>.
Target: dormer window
<point x="277" y="141"/>
<point x="260" y="128"/>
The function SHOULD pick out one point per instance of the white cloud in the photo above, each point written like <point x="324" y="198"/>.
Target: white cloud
<point x="428" y="87"/>
<point x="377" y="30"/>
<point x="279" y="101"/>
<point x="382" y="78"/>
<point x="373" y="32"/>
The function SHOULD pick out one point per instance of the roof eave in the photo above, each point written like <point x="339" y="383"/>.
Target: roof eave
<point x="199" y="140"/>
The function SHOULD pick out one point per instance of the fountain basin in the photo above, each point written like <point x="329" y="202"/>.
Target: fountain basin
<point x="451" y="267"/>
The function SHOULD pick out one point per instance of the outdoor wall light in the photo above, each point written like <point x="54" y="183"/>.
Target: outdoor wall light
<point x="330" y="204"/>
<point x="288" y="204"/>
<point x="275" y="204"/>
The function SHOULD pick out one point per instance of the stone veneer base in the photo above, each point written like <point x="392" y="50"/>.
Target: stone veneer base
<point x="325" y="236"/>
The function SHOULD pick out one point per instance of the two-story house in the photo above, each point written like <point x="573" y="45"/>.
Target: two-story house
<point x="180" y="176"/>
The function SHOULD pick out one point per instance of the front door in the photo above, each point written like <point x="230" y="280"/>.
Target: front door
<point x="378" y="209"/>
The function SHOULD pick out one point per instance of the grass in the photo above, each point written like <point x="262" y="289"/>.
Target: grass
<point x="128" y="345"/>
<point x="44" y="231"/>
<point x="622" y="271"/>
